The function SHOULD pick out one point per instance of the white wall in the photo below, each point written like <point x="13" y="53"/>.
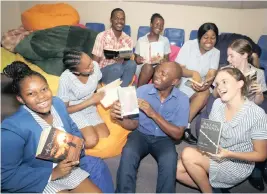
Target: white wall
<point x="10" y="15"/>
<point x="251" y="22"/>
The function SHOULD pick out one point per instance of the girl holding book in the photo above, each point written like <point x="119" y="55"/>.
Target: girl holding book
<point x="200" y="60"/>
<point x="145" y="67"/>
<point x="77" y="86"/>
<point x="21" y="171"/>
<point x="243" y="138"/>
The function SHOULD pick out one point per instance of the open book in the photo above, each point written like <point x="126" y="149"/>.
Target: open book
<point x="209" y="136"/>
<point x="152" y="52"/>
<point x="125" y="53"/>
<point x="190" y="81"/>
<point x="128" y="101"/>
<point x="56" y="145"/>
<point x="111" y="93"/>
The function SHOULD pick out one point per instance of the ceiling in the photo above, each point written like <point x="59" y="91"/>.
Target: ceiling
<point x="217" y="4"/>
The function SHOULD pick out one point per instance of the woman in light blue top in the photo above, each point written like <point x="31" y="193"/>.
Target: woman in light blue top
<point x="199" y="60"/>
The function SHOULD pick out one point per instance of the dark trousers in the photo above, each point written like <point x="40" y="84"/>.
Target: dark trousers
<point x="137" y="147"/>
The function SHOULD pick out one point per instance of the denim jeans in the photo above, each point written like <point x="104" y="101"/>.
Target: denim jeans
<point x="137" y="147"/>
<point x="125" y="71"/>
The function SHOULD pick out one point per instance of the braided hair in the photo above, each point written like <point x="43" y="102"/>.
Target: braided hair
<point x="72" y="58"/>
<point x="18" y="71"/>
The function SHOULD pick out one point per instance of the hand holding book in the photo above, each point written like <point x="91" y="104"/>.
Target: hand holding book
<point x="63" y="168"/>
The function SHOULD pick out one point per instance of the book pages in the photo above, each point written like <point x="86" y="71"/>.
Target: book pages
<point x="128" y="101"/>
<point x="152" y="52"/>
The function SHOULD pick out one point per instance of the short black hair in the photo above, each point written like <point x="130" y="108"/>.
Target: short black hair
<point x="206" y="27"/>
<point x="154" y="16"/>
<point x="18" y="71"/>
<point x="72" y="58"/>
<point x="114" y="10"/>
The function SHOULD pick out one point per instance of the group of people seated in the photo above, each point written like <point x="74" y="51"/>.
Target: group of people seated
<point x="167" y="107"/>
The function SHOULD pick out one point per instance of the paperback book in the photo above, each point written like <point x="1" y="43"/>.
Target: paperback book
<point x="111" y="93"/>
<point x="125" y="53"/>
<point x="128" y="101"/>
<point x="251" y="78"/>
<point x="152" y="52"/>
<point x="205" y="82"/>
<point x="56" y="145"/>
<point x="209" y="136"/>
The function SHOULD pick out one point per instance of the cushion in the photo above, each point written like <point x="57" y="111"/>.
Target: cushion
<point x="7" y="58"/>
<point x="113" y="144"/>
<point x="43" y="16"/>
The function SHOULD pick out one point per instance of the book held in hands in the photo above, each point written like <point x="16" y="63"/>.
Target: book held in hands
<point x="152" y="52"/>
<point x="56" y="145"/>
<point x="125" y="53"/>
<point x="251" y="78"/>
<point x="128" y="101"/>
<point x="209" y="136"/>
<point x="111" y="93"/>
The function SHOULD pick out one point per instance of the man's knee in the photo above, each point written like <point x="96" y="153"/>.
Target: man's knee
<point x="147" y="68"/>
<point x="116" y="69"/>
<point x="168" y="160"/>
<point x="131" y="64"/>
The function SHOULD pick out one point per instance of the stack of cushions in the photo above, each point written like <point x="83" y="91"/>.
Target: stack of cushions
<point x="107" y="147"/>
<point x="43" y="16"/>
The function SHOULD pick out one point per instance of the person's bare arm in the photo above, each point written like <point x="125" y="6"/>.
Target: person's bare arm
<point x="175" y="132"/>
<point x="96" y="58"/>
<point x="259" y="153"/>
<point x="115" y="114"/>
<point x="89" y="102"/>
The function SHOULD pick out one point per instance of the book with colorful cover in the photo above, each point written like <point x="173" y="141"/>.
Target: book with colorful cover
<point x="209" y="136"/>
<point x="56" y="145"/>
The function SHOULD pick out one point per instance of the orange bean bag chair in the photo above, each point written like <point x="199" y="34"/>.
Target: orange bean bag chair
<point x="43" y="16"/>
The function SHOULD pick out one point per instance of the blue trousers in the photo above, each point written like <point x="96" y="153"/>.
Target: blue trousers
<point x="99" y="173"/>
<point x="137" y="147"/>
<point x="125" y="71"/>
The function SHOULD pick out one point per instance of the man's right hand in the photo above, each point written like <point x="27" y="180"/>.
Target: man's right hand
<point x="115" y="111"/>
<point x="63" y="168"/>
<point x="139" y="59"/>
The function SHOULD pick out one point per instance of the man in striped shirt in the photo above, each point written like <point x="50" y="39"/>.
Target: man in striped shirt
<point x="114" y="38"/>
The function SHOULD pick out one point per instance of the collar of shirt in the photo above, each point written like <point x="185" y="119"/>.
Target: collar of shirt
<point x="120" y="40"/>
<point x="160" y="37"/>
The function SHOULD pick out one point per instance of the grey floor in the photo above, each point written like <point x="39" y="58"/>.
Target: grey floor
<point x="147" y="175"/>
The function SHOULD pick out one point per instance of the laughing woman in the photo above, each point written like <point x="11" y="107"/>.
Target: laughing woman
<point x="243" y="138"/>
<point x="199" y="60"/>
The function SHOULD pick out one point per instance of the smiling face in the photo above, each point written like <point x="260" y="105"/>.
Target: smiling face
<point x="35" y="94"/>
<point x="157" y="26"/>
<point x="236" y="59"/>
<point x="86" y="66"/>
<point x="165" y="76"/>
<point x="118" y="21"/>
<point x="227" y="86"/>
<point x="207" y="41"/>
